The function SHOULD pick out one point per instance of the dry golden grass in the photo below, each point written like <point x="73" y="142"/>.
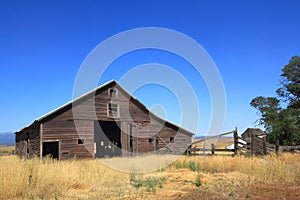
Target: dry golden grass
<point x="6" y="150"/>
<point x="221" y="178"/>
<point x="140" y="164"/>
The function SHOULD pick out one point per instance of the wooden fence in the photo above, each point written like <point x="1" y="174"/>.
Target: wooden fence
<point x="259" y="146"/>
<point x="255" y="145"/>
<point x="193" y="150"/>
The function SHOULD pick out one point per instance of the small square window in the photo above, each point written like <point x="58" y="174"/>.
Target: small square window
<point x="150" y="140"/>
<point x="172" y="140"/>
<point x="113" y="110"/>
<point x="113" y="92"/>
<point x="80" y="141"/>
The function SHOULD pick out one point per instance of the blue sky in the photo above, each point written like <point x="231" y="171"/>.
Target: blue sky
<point x="43" y="44"/>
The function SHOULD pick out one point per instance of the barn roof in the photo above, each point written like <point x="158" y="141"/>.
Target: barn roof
<point x="256" y="131"/>
<point x="112" y="82"/>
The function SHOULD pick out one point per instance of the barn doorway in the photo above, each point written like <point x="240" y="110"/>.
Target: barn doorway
<point x="51" y="149"/>
<point x="107" y="139"/>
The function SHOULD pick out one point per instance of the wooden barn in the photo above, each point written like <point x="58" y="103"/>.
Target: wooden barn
<point x="104" y="122"/>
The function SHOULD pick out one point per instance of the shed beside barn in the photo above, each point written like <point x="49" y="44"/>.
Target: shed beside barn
<point x="256" y="131"/>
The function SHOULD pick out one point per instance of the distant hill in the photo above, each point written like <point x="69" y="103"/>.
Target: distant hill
<point x="202" y="137"/>
<point x="7" y="139"/>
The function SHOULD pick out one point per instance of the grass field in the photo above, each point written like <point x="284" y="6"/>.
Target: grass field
<point x="6" y="150"/>
<point x="210" y="177"/>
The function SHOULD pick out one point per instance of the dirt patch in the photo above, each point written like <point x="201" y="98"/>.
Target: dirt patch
<point x="260" y="191"/>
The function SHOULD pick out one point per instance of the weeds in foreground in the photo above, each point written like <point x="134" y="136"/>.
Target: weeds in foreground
<point x="192" y="165"/>
<point x="150" y="183"/>
<point x="198" y="181"/>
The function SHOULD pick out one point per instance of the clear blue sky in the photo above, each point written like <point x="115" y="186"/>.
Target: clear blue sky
<point x="43" y="44"/>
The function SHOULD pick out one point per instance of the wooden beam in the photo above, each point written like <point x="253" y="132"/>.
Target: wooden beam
<point x="277" y="147"/>
<point x="236" y="140"/>
<point x="212" y="148"/>
<point x="209" y="137"/>
<point x="41" y="141"/>
<point x="203" y="149"/>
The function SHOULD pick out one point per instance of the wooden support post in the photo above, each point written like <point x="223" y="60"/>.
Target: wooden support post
<point x="252" y="145"/>
<point x="236" y="140"/>
<point x="265" y="152"/>
<point x="41" y="141"/>
<point x="203" y="147"/>
<point x="188" y="151"/>
<point x="277" y="147"/>
<point x="212" y="148"/>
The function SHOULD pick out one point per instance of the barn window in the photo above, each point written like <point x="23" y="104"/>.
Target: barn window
<point x="150" y="140"/>
<point x="113" y="92"/>
<point x="171" y="139"/>
<point x="80" y="141"/>
<point x="113" y="110"/>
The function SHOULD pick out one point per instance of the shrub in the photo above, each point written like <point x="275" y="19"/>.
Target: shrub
<point x="135" y="182"/>
<point x="192" y="165"/>
<point x="198" y="181"/>
<point x="150" y="183"/>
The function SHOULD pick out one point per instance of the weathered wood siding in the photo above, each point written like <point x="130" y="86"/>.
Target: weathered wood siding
<point x="180" y="144"/>
<point x="28" y="143"/>
<point x="161" y="135"/>
<point x="63" y="130"/>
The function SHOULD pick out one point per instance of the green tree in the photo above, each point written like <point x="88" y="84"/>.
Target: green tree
<point x="281" y="115"/>
<point x="289" y="92"/>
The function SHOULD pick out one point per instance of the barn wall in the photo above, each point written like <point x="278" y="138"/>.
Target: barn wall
<point x="161" y="135"/>
<point x="28" y="143"/>
<point x="180" y="144"/>
<point x="63" y="130"/>
<point x="21" y="145"/>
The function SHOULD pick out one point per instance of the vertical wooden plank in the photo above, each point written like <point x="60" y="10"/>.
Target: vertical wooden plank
<point x="252" y="145"/>
<point x="137" y="138"/>
<point x="212" y="148"/>
<point x="277" y="147"/>
<point x="236" y="140"/>
<point x="41" y="141"/>
<point x="264" y="146"/>
<point x="188" y="151"/>
<point x="124" y="139"/>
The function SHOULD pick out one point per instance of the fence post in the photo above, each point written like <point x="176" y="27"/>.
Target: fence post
<point x="265" y="150"/>
<point x="188" y="150"/>
<point x="212" y="148"/>
<point x="236" y="140"/>
<point x="277" y="147"/>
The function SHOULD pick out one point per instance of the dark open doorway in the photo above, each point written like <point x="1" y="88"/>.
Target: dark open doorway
<point x="51" y="149"/>
<point x="107" y="139"/>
